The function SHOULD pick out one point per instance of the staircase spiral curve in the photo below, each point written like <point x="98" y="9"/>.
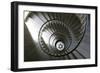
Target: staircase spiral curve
<point x="57" y="34"/>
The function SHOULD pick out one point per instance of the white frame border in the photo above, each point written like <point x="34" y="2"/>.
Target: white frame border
<point x="37" y="64"/>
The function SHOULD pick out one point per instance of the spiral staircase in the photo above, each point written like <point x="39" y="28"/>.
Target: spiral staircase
<point x="56" y="36"/>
